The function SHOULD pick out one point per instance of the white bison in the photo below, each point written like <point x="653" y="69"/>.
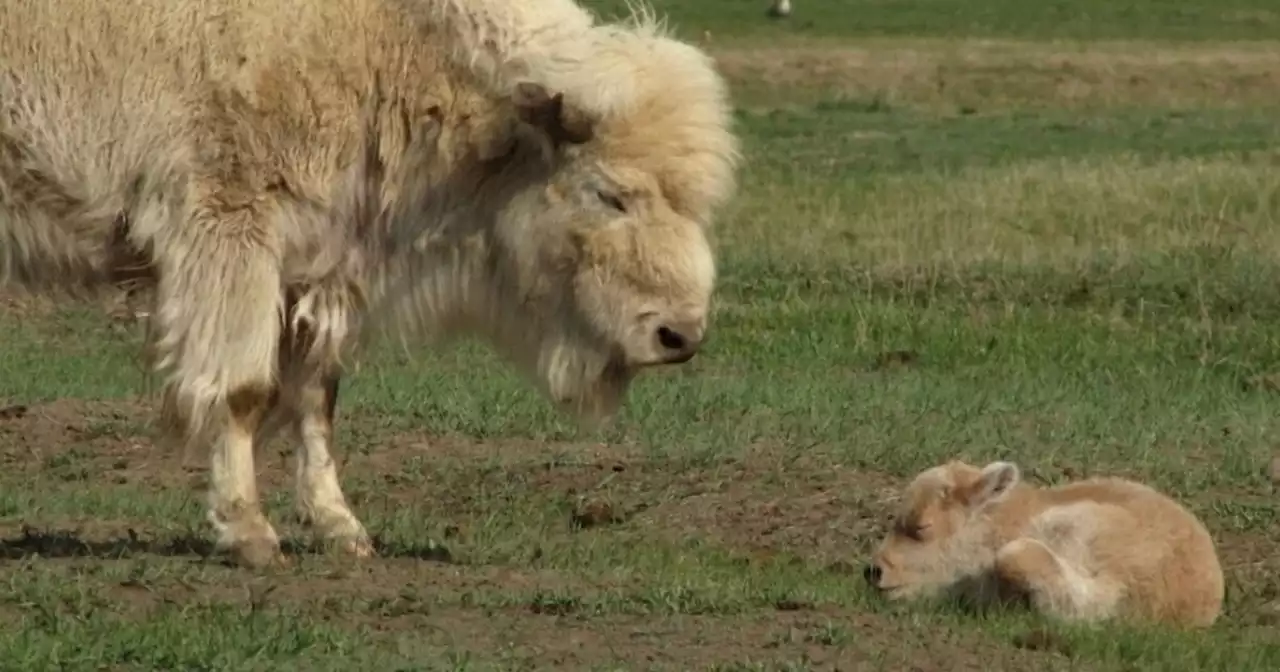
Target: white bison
<point x="288" y="174"/>
<point x="1086" y="551"/>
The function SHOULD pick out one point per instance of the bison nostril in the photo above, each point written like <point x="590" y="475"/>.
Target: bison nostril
<point x="872" y="574"/>
<point x="671" y="340"/>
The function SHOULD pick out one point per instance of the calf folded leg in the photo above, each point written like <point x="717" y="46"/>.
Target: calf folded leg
<point x="1054" y="585"/>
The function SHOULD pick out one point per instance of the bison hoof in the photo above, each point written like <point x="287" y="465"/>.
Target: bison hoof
<point x="361" y="547"/>
<point x="248" y="540"/>
<point x="350" y="546"/>
<point x="257" y="554"/>
<point x="340" y="531"/>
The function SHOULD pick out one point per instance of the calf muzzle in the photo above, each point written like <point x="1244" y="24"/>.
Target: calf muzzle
<point x="872" y="573"/>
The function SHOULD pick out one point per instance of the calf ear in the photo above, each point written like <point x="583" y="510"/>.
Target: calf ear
<point x="549" y="113"/>
<point x="996" y="480"/>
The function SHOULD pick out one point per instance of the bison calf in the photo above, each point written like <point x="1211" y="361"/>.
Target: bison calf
<point x="1085" y="551"/>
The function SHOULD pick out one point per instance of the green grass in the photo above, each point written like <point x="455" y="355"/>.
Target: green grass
<point x="1086" y="284"/>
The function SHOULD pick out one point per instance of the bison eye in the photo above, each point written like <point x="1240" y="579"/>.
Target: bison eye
<point x="612" y="201"/>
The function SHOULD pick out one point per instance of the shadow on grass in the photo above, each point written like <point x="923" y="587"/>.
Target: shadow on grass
<point x="63" y="544"/>
<point x="33" y="542"/>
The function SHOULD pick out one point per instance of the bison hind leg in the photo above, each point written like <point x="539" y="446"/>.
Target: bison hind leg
<point x="320" y="500"/>
<point x="319" y="325"/>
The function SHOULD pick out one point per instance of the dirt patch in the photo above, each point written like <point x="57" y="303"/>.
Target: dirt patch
<point x="92" y="441"/>
<point x="833" y="640"/>
<point x="765" y="501"/>
<point x="763" y="506"/>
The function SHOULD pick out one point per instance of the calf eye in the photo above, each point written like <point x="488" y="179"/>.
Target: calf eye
<point x="912" y="530"/>
<point x="612" y="201"/>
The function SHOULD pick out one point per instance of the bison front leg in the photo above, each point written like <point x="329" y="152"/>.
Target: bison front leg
<point x="320" y="501"/>
<point x="234" y="507"/>
<point x="217" y="326"/>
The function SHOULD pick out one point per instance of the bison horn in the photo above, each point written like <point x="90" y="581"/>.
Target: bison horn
<point x="563" y="123"/>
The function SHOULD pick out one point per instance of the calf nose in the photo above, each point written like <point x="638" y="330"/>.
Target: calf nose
<point x="679" y="342"/>
<point x="872" y="574"/>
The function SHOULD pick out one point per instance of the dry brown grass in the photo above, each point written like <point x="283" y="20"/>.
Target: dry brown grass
<point x="989" y="74"/>
<point x="1055" y="213"/>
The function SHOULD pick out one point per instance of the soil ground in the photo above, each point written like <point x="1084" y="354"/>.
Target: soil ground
<point x="750" y="508"/>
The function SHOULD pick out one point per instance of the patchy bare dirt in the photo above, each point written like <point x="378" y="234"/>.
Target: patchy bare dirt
<point x="108" y="444"/>
<point x="95" y="441"/>
<point x="119" y="305"/>
<point x="25" y="304"/>
<point x="762" y="506"/>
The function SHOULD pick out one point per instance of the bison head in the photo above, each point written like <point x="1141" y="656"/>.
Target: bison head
<point x="943" y="539"/>
<point x="605" y="242"/>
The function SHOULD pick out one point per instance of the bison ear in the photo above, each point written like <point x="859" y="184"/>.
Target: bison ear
<point x="996" y="480"/>
<point x="561" y="122"/>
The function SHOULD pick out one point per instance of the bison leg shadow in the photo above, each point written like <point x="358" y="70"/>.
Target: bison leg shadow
<point x="32" y="542"/>
<point x="65" y="544"/>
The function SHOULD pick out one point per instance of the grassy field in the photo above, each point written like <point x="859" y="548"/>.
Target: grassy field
<point x="962" y="232"/>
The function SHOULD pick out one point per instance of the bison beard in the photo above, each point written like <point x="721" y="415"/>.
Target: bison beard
<point x="288" y="177"/>
<point x="593" y="392"/>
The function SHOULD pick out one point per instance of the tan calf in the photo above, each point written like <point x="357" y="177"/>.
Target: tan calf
<point x="1087" y="551"/>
